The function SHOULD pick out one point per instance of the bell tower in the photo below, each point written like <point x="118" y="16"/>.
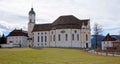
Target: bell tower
<point x="31" y="26"/>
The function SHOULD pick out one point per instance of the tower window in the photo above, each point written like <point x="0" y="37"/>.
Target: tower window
<point x="30" y="20"/>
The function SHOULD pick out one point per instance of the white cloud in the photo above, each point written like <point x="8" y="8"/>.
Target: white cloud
<point x="104" y="12"/>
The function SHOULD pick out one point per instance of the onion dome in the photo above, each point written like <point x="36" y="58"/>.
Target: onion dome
<point x="31" y="11"/>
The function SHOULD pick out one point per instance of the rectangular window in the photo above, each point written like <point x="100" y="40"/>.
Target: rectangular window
<point x="72" y="36"/>
<point x="54" y="38"/>
<point x="41" y="38"/>
<point x="50" y="38"/>
<point x="33" y="38"/>
<point x="66" y="37"/>
<point x="11" y="41"/>
<point x="86" y="37"/>
<point x="59" y="37"/>
<point x="78" y="37"/>
<point x="45" y="38"/>
<point x="38" y="39"/>
<point x="45" y="43"/>
<point x="41" y="43"/>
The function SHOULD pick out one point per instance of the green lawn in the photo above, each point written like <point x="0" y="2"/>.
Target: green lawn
<point x="52" y="56"/>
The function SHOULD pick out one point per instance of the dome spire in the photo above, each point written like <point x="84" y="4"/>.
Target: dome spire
<point x="32" y="11"/>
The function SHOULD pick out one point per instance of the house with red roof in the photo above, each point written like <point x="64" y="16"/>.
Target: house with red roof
<point x="108" y="42"/>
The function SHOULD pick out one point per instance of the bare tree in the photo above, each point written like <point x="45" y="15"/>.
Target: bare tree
<point x="97" y="31"/>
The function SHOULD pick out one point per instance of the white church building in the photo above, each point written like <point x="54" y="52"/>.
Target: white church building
<point x="65" y="31"/>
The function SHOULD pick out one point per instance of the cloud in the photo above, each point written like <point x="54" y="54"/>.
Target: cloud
<point x="104" y="12"/>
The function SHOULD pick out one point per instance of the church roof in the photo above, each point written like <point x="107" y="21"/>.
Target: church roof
<point x="42" y="27"/>
<point x="108" y="38"/>
<point x="18" y="33"/>
<point x="65" y="22"/>
<point x="69" y="21"/>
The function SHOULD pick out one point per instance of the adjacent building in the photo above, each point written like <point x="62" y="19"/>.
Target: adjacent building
<point x="110" y="43"/>
<point x="18" y="38"/>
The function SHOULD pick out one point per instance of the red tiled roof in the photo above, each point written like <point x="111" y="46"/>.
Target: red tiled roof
<point x="108" y="38"/>
<point x="18" y="33"/>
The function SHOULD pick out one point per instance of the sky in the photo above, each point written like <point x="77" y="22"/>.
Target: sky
<point x="14" y="13"/>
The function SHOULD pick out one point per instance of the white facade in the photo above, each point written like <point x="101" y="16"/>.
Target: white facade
<point x="62" y="38"/>
<point x="106" y="44"/>
<point x="73" y="34"/>
<point x="18" y="40"/>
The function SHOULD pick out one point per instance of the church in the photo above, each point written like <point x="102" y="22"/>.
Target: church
<point x="65" y="31"/>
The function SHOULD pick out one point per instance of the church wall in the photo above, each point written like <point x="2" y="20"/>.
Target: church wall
<point x="79" y="39"/>
<point x="43" y="37"/>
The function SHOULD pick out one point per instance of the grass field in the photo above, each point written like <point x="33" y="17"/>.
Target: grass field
<point x="52" y="56"/>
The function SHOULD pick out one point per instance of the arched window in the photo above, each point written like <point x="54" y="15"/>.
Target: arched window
<point x="72" y="36"/>
<point x="45" y="38"/>
<point x="78" y="37"/>
<point x="66" y="37"/>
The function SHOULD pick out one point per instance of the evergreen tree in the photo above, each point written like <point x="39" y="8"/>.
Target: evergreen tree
<point x="3" y="39"/>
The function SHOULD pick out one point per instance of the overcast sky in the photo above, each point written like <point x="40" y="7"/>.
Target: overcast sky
<point x="14" y="13"/>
